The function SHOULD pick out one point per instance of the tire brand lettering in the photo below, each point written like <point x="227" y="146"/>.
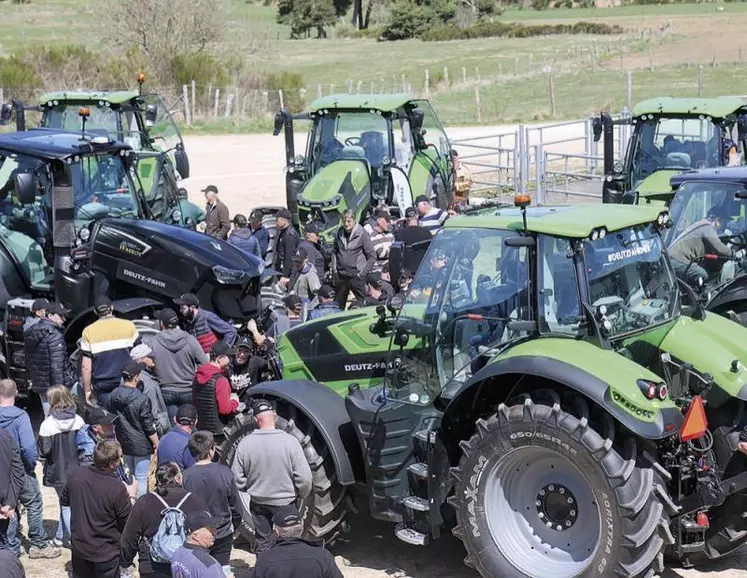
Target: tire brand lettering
<point x="544" y="436"/>
<point x="609" y="532"/>
<point x="470" y="493"/>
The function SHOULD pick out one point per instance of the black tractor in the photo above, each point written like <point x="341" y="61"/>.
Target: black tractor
<point x="75" y="224"/>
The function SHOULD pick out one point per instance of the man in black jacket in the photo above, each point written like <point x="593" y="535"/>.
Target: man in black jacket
<point x="415" y="238"/>
<point x="286" y="243"/>
<point x="314" y="249"/>
<point x="12" y="480"/>
<point x="99" y="508"/>
<point x="355" y="259"/>
<point x="46" y="353"/>
<point x="291" y="556"/>
<point x="134" y="424"/>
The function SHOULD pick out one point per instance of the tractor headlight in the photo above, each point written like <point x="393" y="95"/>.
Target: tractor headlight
<point x="84" y="234"/>
<point x="176" y="216"/>
<point x="230" y="276"/>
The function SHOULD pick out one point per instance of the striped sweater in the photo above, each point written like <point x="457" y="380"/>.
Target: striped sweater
<point x="108" y="342"/>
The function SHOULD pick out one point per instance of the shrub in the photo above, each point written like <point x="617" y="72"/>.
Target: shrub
<point x="502" y="29"/>
<point x="201" y="67"/>
<point x="293" y="87"/>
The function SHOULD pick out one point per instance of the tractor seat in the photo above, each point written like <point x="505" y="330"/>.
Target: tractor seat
<point x="353" y="152"/>
<point x="679" y="160"/>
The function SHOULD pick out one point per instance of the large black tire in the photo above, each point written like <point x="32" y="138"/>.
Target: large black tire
<point x="325" y="508"/>
<point x="616" y="523"/>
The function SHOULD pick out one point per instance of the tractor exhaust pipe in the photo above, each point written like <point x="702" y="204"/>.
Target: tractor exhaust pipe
<point x="284" y="121"/>
<point x="603" y="127"/>
<point x="6" y="113"/>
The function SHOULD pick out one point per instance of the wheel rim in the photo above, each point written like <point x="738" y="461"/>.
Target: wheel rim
<point x="542" y="513"/>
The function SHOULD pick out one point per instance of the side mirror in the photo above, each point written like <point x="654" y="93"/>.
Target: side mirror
<point x="151" y="114"/>
<point x="596" y="127"/>
<point x="279" y="123"/>
<point x="520" y="242"/>
<point x="182" y="162"/>
<point x="6" y="112"/>
<point x="396" y="259"/>
<point x="24" y="186"/>
<point x="176" y="216"/>
<point x="416" y="121"/>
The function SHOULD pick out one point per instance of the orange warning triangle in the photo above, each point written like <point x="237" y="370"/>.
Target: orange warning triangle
<point x="696" y="423"/>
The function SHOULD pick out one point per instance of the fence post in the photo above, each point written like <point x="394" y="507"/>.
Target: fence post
<point x="193" y="110"/>
<point x="358" y="88"/>
<point x="427" y="82"/>
<point x="446" y="76"/>
<point x="282" y="101"/>
<point x="629" y="91"/>
<point x="319" y="90"/>
<point x="551" y="82"/>
<point x="650" y="58"/>
<point x="464" y="74"/>
<point x="209" y="100"/>
<point x="185" y="95"/>
<point x="229" y="105"/>
<point x="478" y="103"/>
<point x="700" y="80"/>
<point x="2" y="95"/>
<point x="477" y="73"/>
<point x="350" y="86"/>
<point x="404" y="83"/>
<point x="217" y="102"/>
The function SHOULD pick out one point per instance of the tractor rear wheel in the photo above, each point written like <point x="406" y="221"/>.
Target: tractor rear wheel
<point x="324" y="510"/>
<point x="540" y="493"/>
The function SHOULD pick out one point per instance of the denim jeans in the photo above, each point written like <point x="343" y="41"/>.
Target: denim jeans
<point x="31" y="498"/>
<point x="139" y="468"/>
<point x="173" y="399"/>
<point x="63" y="526"/>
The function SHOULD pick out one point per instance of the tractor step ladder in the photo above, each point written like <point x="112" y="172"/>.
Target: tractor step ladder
<point x="416" y="503"/>
<point x="410" y="536"/>
<point x="418" y="469"/>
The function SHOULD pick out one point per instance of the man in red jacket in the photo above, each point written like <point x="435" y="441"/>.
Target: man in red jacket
<point x="211" y="391"/>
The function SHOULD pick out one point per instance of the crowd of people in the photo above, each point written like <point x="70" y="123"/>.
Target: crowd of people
<point x="129" y="440"/>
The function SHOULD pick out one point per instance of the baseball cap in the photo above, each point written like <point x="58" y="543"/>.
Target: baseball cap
<point x="186" y="414"/>
<point x="168" y="317"/>
<point x="221" y="348"/>
<point x="246" y="341"/>
<point x="210" y="189"/>
<point x="239" y="220"/>
<point x="283" y="213"/>
<point x="293" y="302"/>
<point x="311" y="227"/>
<point x="131" y="368"/>
<point x="39" y="304"/>
<point x="256" y="215"/>
<point x="103" y="305"/>
<point x="326" y="291"/>
<point x="410" y="212"/>
<point x="189" y="299"/>
<point x="421" y="199"/>
<point x="300" y="255"/>
<point x="373" y="279"/>
<point x="286" y="516"/>
<point x="382" y="214"/>
<point x="261" y="406"/>
<point x="140" y="351"/>
<point x="57" y="309"/>
<point x="99" y="416"/>
<point x="196" y="520"/>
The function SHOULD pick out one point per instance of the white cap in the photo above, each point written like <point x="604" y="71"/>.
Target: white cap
<point x="140" y="351"/>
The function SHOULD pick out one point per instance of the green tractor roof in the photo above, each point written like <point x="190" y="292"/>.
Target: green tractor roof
<point x="117" y="97"/>
<point x="382" y="102"/>
<point x="573" y="222"/>
<point x="713" y="107"/>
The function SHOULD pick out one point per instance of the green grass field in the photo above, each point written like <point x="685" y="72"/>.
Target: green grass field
<point x="513" y="85"/>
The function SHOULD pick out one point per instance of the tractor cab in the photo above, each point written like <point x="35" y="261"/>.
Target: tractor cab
<point x="364" y="152"/>
<point x="711" y="205"/>
<point x="670" y="135"/>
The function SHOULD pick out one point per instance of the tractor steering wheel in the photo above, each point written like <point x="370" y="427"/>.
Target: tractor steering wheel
<point x="353" y="141"/>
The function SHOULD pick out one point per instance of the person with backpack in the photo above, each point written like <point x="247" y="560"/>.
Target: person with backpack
<point x="156" y="527"/>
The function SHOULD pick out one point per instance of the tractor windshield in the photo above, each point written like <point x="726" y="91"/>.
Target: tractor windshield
<point x="703" y="210"/>
<point x="468" y="289"/>
<point x="661" y="143"/>
<point x="119" y="124"/>
<point x="355" y="134"/>
<point x="103" y="188"/>
<point x="631" y="284"/>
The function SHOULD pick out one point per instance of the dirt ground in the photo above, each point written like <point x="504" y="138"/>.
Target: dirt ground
<point x="248" y="170"/>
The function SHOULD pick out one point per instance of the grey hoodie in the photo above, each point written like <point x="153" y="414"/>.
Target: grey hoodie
<point x="177" y="354"/>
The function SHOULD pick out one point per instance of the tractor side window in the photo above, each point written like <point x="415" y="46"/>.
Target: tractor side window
<point x="559" y="298"/>
<point x="404" y="145"/>
<point x="435" y="135"/>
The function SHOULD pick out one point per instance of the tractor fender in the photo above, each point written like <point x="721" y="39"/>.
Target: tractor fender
<point x="326" y="410"/>
<point x="666" y="421"/>
<point x="122" y="308"/>
<point x="733" y="296"/>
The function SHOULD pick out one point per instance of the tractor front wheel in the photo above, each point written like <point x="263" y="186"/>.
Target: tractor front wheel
<point x="540" y="493"/>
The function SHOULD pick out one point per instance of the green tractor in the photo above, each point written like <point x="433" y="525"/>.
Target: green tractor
<point x="142" y="121"/>
<point x="547" y="391"/>
<point x="364" y="151"/>
<point x="670" y="135"/>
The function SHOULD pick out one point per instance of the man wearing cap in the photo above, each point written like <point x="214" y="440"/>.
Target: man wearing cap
<point x="217" y="222"/>
<point x="135" y="427"/>
<point x="314" y="249"/>
<point x="304" y="280"/>
<point x="270" y="466"/>
<point x="193" y="560"/>
<point x="246" y="369"/>
<point x="173" y="446"/>
<point x="293" y="556"/>
<point x="242" y="238"/>
<point x="326" y="303"/>
<point x="46" y="353"/>
<point x="176" y="355"/>
<point x="105" y="347"/>
<point x="286" y="243"/>
<point x="206" y="326"/>
<point x="151" y="388"/>
<point x="431" y="218"/>
<point x="355" y="258"/>
<point x="38" y="312"/>
<point x="377" y="289"/>
<point x="259" y="232"/>
<point x="379" y="229"/>
<point x="211" y="391"/>
<point x="190" y="211"/>
<point x="99" y="427"/>
<point x="415" y="239"/>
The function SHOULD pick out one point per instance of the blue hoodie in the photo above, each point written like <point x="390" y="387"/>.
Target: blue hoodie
<point x="16" y="422"/>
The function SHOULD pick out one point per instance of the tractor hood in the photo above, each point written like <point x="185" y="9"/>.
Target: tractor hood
<point x="655" y="188"/>
<point x="342" y="184"/>
<point x="711" y="346"/>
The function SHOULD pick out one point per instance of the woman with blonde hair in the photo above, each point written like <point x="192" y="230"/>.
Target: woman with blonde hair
<point x="58" y="448"/>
